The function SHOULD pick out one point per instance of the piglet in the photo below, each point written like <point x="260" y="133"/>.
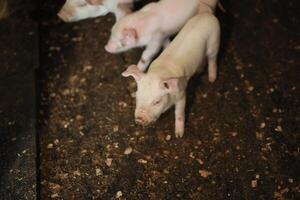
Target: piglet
<point x="75" y="10"/>
<point x="153" y="25"/>
<point x="164" y="84"/>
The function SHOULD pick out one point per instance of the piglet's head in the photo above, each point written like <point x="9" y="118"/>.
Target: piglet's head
<point x="154" y="95"/>
<point x="75" y="10"/>
<point x="121" y="39"/>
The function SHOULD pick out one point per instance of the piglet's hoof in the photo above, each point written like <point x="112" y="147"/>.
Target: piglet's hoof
<point x="179" y="134"/>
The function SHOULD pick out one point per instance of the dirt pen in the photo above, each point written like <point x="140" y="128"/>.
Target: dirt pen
<point x="242" y="134"/>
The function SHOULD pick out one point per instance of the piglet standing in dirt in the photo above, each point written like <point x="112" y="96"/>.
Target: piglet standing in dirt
<point x="153" y="25"/>
<point x="164" y="85"/>
<point x="75" y="10"/>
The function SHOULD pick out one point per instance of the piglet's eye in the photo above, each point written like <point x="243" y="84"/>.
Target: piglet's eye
<point x="120" y="44"/>
<point x="82" y="5"/>
<point x="156" y="102"/>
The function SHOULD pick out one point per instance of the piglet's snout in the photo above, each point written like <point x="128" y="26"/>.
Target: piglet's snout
<point x="65" y="15"/>
<point x="141" y="118"/>
<point x="110" y="47"/>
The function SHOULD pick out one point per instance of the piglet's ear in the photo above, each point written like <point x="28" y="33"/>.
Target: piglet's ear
<point x="173" y="84"/>
<point x="133" y="71"/>
<point x="130" y="36"/>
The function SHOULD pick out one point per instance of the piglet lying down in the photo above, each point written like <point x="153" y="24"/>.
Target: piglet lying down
<point x="164" y="85"/>
<point x="75" y="10"/>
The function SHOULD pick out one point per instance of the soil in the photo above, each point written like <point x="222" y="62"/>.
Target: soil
<point x="242" y="134"/>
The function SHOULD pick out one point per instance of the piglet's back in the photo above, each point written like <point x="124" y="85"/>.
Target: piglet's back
<point x="188" y="50"/>
<point x="175" y="13"/>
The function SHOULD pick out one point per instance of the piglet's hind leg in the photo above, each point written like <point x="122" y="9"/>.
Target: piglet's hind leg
<point x="180" y="118"/>
<point x="213" y="44"/>
<point x="212" y="68"/>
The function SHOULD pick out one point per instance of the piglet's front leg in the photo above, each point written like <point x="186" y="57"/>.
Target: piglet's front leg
<point x="123" y="10"/>
<point x="180" y="117"/>
<point x="151" y="49"/>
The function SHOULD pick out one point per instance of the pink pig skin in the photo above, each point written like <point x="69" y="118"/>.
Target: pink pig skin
<point x="75" y="10"/>
<point x="153" y="25"/>
<point x="164" y="85"/>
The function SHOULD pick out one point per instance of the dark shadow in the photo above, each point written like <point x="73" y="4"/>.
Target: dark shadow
<point x="227" y="22"/>
<point x="140" y="4"/>
<point x="46" y="17"/>
<point x="17" y="103"/>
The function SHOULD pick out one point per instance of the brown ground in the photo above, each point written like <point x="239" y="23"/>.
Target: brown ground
<point x="242" y="135"/>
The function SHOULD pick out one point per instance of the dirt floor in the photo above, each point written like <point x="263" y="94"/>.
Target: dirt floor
<point x="242" y="134"/>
